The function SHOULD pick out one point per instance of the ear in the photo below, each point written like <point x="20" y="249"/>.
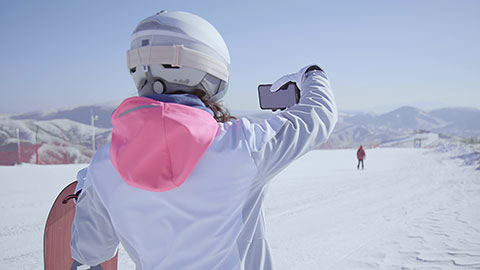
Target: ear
<point x="158" y="87"/>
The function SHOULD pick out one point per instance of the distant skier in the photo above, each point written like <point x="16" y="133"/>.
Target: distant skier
<point x="360" y="156"/>
<point x="182" y="183"/>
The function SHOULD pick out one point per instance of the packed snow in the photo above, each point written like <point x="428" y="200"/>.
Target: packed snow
<point x="409" y="209"/>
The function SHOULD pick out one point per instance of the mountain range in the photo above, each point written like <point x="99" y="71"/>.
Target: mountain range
<point x="373" y="129"/>
<point x="65" y="135"/>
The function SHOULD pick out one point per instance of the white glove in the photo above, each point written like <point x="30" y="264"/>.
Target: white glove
<point x="297" y="78"/>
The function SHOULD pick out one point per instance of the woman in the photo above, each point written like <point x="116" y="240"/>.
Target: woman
<point x="182" y="183"/>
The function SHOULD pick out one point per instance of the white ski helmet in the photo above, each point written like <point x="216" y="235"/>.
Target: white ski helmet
<point x="178" y="51"/>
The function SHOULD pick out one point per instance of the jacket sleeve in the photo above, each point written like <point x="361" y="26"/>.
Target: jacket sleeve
<point x="93" y="237"/>
<point x="276" y="142"/>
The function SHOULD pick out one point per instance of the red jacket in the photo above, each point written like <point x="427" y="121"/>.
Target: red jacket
<point x="361" y="153"/>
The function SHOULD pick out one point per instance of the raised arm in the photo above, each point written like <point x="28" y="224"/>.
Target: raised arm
<point x="286" y="136"/>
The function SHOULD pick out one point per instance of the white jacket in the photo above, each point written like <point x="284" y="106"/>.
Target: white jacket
<point x="214" y="219"/>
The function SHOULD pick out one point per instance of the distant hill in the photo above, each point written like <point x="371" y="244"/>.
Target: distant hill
<point x="461" y="121"/>
<point x="374" y="129"/>
<point x="65" y="135"/>
<point x="80" y="114"/>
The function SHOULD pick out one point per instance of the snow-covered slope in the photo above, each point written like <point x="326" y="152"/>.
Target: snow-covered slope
<point x="409" y="209"/>
<point x="60" y="140"/>
<point x="419" y="140"/>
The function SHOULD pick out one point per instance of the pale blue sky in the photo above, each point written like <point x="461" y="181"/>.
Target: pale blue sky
<point x="377" y="53"/>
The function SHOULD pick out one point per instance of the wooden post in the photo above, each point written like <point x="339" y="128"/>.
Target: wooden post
<point x="18" y="147"/>
<point x="93" y="118"/>
<point x="36" y="147"/>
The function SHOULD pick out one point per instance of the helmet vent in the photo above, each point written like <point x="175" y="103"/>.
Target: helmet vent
<point x="169" y="66"/>
<point x="154" y="25"/>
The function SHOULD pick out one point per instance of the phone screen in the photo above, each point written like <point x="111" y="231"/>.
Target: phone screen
<point x="287" y="96"/>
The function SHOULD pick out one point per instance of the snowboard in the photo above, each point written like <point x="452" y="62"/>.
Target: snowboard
<point x="57" y="235"/>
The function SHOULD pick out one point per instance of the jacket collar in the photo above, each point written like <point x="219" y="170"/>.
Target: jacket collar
<point x="184" y="99"/>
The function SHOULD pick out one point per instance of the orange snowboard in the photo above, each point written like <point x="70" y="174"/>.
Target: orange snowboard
<point x="57" y="235"/>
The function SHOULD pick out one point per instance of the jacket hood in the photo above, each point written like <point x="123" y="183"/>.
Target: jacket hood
<point x="156" y="145"/>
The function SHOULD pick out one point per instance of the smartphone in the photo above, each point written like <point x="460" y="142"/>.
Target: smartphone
<point x="287" y="96"/>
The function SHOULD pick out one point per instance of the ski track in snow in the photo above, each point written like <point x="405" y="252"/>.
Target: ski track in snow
<point x="409" y="209"/>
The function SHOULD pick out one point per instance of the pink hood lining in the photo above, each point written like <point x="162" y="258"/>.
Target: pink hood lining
<point x="155" y="145"/>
